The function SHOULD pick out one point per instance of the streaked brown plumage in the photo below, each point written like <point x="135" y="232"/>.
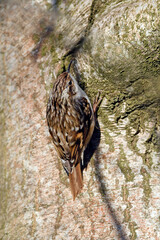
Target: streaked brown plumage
<point x="71" y="122"/>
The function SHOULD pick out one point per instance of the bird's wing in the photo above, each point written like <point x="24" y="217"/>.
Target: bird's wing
<point x="70" y="131"/>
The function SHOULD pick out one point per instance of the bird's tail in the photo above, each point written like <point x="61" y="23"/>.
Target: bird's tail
<point x="76" y="181"/>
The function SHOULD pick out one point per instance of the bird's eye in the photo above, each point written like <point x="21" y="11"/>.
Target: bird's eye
<point x="70" y="82"/>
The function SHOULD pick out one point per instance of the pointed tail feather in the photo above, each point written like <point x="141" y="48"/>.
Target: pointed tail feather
<point x="76" y="181"/>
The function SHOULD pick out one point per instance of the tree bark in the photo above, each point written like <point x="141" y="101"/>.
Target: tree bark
<point x="116" y="44"/>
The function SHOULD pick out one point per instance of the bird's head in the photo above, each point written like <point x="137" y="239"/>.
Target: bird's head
<point x="69" y="85"/>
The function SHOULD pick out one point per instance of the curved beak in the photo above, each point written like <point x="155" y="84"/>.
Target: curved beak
<point x="69" y="66"/>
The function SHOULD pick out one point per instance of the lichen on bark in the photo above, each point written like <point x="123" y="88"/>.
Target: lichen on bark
<point x="116" y="44"/>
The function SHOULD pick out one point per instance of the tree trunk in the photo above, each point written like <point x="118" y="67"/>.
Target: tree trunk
<point x="116" y="44"/>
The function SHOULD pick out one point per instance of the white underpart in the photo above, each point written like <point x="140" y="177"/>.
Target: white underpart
<point x="79" y="92"/>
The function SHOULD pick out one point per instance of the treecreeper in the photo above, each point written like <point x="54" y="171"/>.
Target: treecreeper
<point x="71" y="121"/>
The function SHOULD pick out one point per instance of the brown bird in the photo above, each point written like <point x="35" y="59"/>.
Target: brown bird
<point x="71" y="121"/>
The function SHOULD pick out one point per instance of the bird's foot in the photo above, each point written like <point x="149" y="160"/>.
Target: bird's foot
<point x="96" y="104"/>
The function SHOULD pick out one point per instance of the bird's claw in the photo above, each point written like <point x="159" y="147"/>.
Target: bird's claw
<point x="97" y="103"/>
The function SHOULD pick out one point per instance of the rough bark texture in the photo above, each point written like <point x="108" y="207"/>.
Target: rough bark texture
<point x="117" y="46"/>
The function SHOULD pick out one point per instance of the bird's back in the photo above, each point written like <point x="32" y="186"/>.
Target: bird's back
<point x="70" y="121"/>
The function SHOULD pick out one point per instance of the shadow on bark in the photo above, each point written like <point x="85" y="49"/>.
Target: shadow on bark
<point x="92" y="146"/>
<point x="46" y="32"/>
<point x="106" y="199"/>
<point x="90" y="150"/>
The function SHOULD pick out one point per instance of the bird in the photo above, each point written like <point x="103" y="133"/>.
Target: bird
<point x="71" y="121"/>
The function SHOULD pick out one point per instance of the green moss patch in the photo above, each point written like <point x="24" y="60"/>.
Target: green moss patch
<point x="123" y="164"/>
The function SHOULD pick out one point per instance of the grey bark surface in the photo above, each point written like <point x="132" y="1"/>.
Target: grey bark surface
<point x="117" y="47"/>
